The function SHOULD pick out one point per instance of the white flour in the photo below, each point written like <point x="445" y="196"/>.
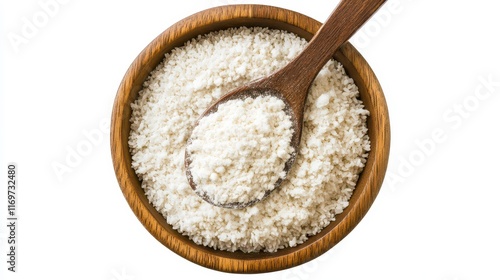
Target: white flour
<point x="333" y="149"/>
<point x="239" y="152"/>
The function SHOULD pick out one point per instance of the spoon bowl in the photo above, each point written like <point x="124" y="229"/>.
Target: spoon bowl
<point x="247" y="91"/>
<point x="292" y="82"/>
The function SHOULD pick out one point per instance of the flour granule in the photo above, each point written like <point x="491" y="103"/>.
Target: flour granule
<point x="239" y="152"/>
<point x="333" y="149"/>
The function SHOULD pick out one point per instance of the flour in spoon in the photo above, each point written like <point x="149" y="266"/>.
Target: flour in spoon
<point x="238" y="153"/>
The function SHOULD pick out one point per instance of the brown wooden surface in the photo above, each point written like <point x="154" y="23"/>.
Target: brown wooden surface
<point x="233" y="16"/>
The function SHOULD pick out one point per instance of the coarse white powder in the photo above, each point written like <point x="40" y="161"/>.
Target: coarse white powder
<point x="332" y="153"/>
<point x="238" y="153"/>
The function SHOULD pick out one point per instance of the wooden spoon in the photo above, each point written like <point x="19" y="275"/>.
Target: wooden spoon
<point x="292" y="82"/>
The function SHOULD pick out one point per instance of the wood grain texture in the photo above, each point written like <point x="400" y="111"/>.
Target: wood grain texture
<point x="234" y="16"/>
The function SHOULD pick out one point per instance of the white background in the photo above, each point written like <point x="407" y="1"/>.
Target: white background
<point x="436" y="217"/>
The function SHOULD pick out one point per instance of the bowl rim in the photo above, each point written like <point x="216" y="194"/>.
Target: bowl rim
<point x="372" y="175"/>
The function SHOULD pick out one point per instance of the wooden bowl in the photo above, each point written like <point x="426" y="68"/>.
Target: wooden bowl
<point x="224" y="17"/>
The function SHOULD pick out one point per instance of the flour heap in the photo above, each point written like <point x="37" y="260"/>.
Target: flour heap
<point x="333" y="149"/>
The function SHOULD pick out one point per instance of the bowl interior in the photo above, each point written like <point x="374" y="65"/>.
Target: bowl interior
<point x="235" y="16"/>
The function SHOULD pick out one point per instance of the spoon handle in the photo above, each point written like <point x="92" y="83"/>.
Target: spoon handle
<point x="345" y="20"/>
